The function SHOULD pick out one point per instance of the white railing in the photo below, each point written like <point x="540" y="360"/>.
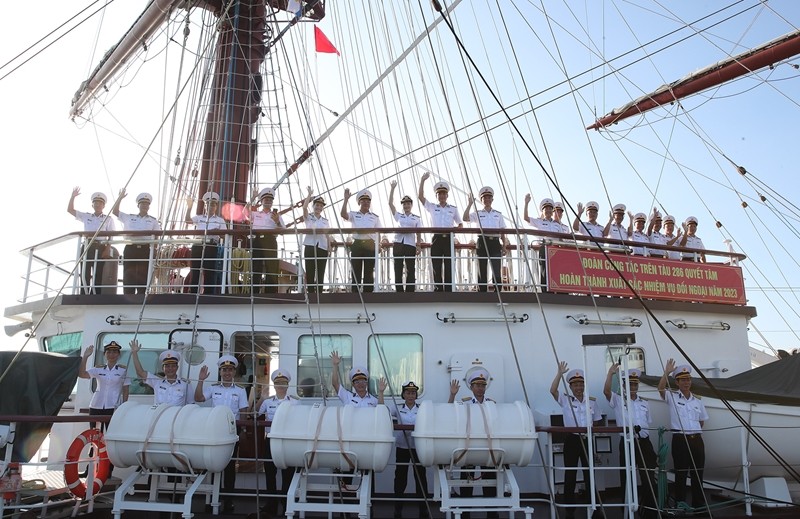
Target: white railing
<point x="60" y="266"/>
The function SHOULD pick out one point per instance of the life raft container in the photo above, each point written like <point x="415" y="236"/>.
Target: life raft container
<point x="102" y="467"/>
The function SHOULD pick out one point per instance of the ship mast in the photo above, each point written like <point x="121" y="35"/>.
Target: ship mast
<point x="763" y="56"/>
<point x="229" y="141"/>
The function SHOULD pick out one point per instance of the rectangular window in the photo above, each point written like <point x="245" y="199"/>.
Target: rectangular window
<point x="314" y="363"/>
<point x="398" y="357"/>
<point x="257" y="353"/>
<point x="152" y="345"/>
<point x="67" y="344"/>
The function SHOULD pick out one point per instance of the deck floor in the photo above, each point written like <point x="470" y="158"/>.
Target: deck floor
<point x="383" y="507"/>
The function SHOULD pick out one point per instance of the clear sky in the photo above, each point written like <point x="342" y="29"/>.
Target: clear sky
<point x="753" y="122"/>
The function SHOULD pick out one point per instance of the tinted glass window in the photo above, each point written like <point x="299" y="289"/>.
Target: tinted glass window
<point x="66" y="344"/>
<point x="314" y="363"/>
<point x="398" y="357"/>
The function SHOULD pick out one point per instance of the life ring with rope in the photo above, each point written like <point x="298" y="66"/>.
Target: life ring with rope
<point x="102" y="468"/>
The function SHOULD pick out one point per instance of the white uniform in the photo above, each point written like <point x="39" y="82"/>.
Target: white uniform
<point x="685" y="414"/>
<point x="368" y="220"/>
<point x="316" y="240"/>
<point x="657" y="238"/>
<point x="575" y="411"/>
<point x="617" y="232"/>
<point x="407" y="221"/>
<point x="177" y="392"/>
<point x="541" y="224"/>
<point x="488" y="220"/>
<point x="639" y="413"/>
<point x="641" y="237"/>
<point x="446" y="216"/>
<point x="271" y="404"/>
<point x="351" y="398"/>
<point x="672" y="254"/>
<point x="93" y="222"/>
<point x="209" y="223"/>
<point x="263" y="220"/>
<point x="134" y="222"/>
<point x="473" y="400"/>
<point x="594" y="229"/>
<point x="231" y="396"/>
<point x="693" y="242"/>
<point x="405" y="416"/>
<point x="110" y="382"/>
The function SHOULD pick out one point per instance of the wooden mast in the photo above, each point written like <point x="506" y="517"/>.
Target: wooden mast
<point x="230" y="134"/>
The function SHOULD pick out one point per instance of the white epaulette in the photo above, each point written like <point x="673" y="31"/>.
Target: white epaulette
<point x="466" y="399"/>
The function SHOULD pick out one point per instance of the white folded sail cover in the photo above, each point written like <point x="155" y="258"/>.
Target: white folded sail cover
<point x="336" y="437"/>
<point x="171" y="436"/>
<point x="488" y="434"/>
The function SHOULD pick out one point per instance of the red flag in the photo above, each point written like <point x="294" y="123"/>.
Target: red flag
<point x="323" y="43"/>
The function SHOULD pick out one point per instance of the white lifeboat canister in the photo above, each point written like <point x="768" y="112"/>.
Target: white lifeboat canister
<point x="335" y="437"/>
<point x="160" y="436"/>
<point x="467" y="434"/>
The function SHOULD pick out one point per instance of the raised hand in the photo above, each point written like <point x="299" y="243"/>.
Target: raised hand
<point x="670" y="367"/>
<point x="528" y="198"/>
<point x="426" y="175"/>
<point x="88" y="351"/>
<point x="135" y="346"/>
<point x="203" y="373"/>
<point x="580" y="208"/>
<point x="563" y="367"/>
<point x="393" y="184"/>
<point x="454" y="387"/>
<point x="335" y="358"/>
<point x="382" y="385"/>
<point x="347" y="193"/>
<point x="76" y="191"/>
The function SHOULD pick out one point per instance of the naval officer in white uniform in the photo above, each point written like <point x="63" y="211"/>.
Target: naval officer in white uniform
<point x="226" y="393"/>
<point x="168" y="389"/>
<point x="136" y="256"/>
<point x="267" y="406"/>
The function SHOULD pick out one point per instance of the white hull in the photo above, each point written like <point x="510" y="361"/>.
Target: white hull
<point x="512" y="353"/>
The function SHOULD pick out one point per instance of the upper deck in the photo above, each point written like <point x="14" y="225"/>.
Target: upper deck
<point x="535" y="263"/>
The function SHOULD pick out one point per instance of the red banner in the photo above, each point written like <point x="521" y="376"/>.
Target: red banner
<point x="585" y="272"/>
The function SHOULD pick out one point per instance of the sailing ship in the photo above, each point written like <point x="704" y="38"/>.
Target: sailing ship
<point x="246" y="105"/>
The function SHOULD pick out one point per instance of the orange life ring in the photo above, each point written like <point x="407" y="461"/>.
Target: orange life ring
<point x="102" y="469"/>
